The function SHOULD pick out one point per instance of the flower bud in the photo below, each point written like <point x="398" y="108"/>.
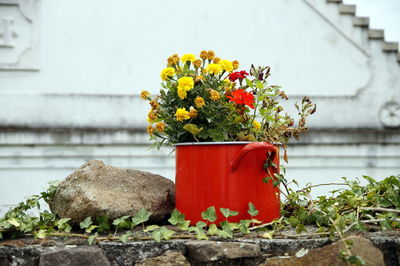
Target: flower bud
<point x="216" y="60"/>
<point x="235" y="64"/>
<point x="210" y="55"/>
<point x="203" y="54"/>
<point x="197" y="63"/>
<point x="144" y="95"/>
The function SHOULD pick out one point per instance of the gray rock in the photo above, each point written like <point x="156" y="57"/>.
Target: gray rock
<point x="209" y="251"/>
<point x="169" y="258"/>
<point x="328" y="255"/>
<point x="96" y="189"/>
<point x="88" y="256"/>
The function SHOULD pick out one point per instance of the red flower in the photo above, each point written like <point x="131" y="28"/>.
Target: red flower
<point x="242" y="97"/>
<point x="237" y="75"/>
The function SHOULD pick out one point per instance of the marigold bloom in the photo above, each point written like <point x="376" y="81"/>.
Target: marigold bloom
<point x="154" y="104"/>
<point x="203" y="54"/>
<point x="226" y="65"/>
<point x="144" y="95"/>
<point x="181" y="114"/>
<point x="182" y="93"/>
<point x="167" y="73"/>
<point x="214" y="95"/>
<point x="186" y="83"/>
<point x="152" y="115"/>
<point x="160" y="126"/>
<point x="150" y="130"/>
<point x="192" y="112"/>
<point x="188" y="57"/>
<point x="197" y="63"/>
<point x="199" y="102"/>
<point x="216" y="60"/>
<point x="256" y="125"/>
<point x="210" y="55"/>
<point x="235" y="64"/>
<point x="242" y="97"/>
<point x="214" y="69"/>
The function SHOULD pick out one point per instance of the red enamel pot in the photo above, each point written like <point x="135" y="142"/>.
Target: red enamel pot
<point x="226" y="175"/>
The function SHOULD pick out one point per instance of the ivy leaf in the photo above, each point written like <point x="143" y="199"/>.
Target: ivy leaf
<point x="200" y="233"/>
<point x="209" y="214"/>
<point x="92" y="239"/>
<point x="63" y="225"/>
<point x="124" y="238"/>
<point x="90" y="228"/>
<point x="268" y="235"/>
<point x="244" y="226"/>
<point x="141" y="216"/>
<point x="122" y="222"/>
<point x="86" y="223"/>
<point x="103" y="223"/>
<point x="156" y="235"/>
<point x="166" y="233"/>
<point x="252" y="209"/>
<point x="41" y="234"/>
<point x="213" y="229"/>
<point x="228" y="213"/>
<point x="184" y="225"/>
<point x="14" y="222"/>
<point x="226" y="231"/>
<point x="176" y="217"/>
<point x="151" y="228"/>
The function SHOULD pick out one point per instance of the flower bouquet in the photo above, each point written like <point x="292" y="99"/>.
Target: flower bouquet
<point x="207" y="99"/>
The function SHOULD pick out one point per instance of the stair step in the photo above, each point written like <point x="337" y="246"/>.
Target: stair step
<point x="361" y="21"/>
<point x="398" y="57"/>
<point x="347" y="9"/>
<point x="390" y="47"/>
<point x="334" y="1"/>
<point x="376" y="34"/>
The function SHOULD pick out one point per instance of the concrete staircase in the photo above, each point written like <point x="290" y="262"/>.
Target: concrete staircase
<point x="363" y="22"/>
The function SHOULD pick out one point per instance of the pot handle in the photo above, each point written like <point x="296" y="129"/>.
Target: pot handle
<point x="251" y="147"/>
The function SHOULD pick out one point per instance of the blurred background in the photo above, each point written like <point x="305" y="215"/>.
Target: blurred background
<point x="71" y="73"/>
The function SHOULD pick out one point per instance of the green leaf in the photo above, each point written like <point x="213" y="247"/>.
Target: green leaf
<point x="86" y="223"/>
<point x="1" y="235"/>
<point x="122" y="222"/>
<point x="92" y="239"/>
<point x="90" y="228"/>
<point x="103" y="223"/>
<point x="244" y="226"/>
<point x="201" y="224"/>
<point x="151" y="228"/>
<point x="184" y="225"/>
<point x="166" y="233"/>
<point x="356" y="260"/>
<point x="268" y="234"/>
<point x="156" y="235"/>
<point x="252" y="209"/>
<point x="14" y="222"/>
<point x="124" y="238"/>
<point x="249" y="83"/>
<point x="228" y="213"/>
<point x="259" y="84"/>
<point x="213" y="229"/>
<point x="141" y="216"/>
<point x="226" y="231"/>
<point x="63" y="225"/>
<point x="200" y="233"/>
<point x="209" y="214"/>
<point x="41" y="234"/>
<point x="192" y="128"/>
<point x="176" y="217"/>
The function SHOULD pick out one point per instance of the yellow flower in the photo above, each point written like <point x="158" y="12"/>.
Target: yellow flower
<point x="216" y="60"/>
<point x="160" y="126"/>
<point x="235" y="64"/>
<point x="167" y="73"/>
<point x="226" y="65"/>
<point x="144" y="95"/>
<point x="192" y="112"/>
<point x="150" y="130"/>
<point x="182" y="93"/>
<point x="197" y="63"/>
<point x="199" y="102"/>
<point x="188" y="57"/>
<point x="214" y="69"/>
<point x="185" y="84"/>
<point x="203" y="54"/>
<point x="210" y="55"/>
<point x="181" y="114"/>
<point x="214" y="95"/>
<point x="256" y="125"/>
<point x="154" y="104"/>
<point x="152" y="116"/>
